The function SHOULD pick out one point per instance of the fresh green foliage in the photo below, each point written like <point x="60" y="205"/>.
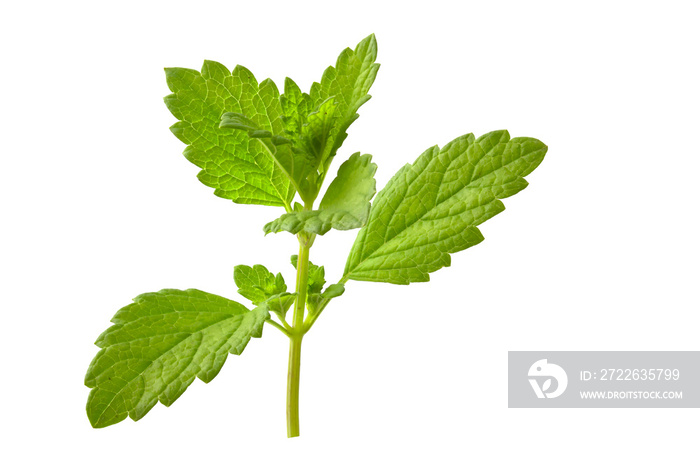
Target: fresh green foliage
<point x="345" y="205"/>
<point x="348" y="84"/>
<point x="257" y="283"/>
<point x="257" y="146"/>
<point x="316" y="280"/>
<point x="262" y="287"/>
<point x="431" y="209"/>
<point x="314" y="125"/>
<point x="159" y="344"/>
<point x="316" y="275"/>
<point x="239" y="167"/>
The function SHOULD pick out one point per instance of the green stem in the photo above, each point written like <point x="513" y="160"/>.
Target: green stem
<point x="293" y="386"/>
<point x="278" y="326"/>
<point x="296" y="335"/>
<point x="312" y="318"/>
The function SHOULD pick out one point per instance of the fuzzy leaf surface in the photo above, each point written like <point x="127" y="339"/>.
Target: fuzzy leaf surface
<point x="431" y="208"/>
<point x="158" y="345"/>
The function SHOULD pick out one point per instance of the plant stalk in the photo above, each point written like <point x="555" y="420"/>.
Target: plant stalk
<point x="293" y="386"/>
<point x="297" y="333"/>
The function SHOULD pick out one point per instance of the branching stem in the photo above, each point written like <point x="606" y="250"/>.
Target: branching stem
<point x="278" y="326"/>
<point x="309" y="322"/>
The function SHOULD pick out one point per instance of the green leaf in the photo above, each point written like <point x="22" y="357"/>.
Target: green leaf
<point x="313" y="125"/>
<point x="313" y="300"/>
<point x="257" y="283"/>
<point x="295" y="162"/>
<point x="345" y="205"/>
<point x="309" y="130"/>
<point x="280" y="303"/>
<point x="333" y="291"/>
<point x="348" y="83"/>
<point x="431" y="209"/>
<point x="316" y="276"/>
<point x="316" y="131"/>
<point x="261" y="286"/>
<point x="296" y="106"/>
<point x="315" y="285"/>
<point x="158" y="345"/>
<point x="236" y="165"/>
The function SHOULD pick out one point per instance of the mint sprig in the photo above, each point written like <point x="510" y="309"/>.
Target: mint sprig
<point x="257" y="146"/>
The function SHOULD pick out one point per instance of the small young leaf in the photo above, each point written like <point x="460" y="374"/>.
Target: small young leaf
<point x="257" y="283"/>
<point x="345" y="205"/>
<point x="297" y="164"/>
<point x="313" y="300"/>
<point x="348" y="83"/>
<point x="239" y="167"/>
<point x="158" y="345"/>
<point x="296" y="106"/>
<point x="316" y="131"/>
<point x="280" y="303"/>
<point x="315" y="285"/>
<point x="262" y="287"/>
<point x="430" y="209"/>
<point x="333" y="291"/>
<point x="316" y="276"/>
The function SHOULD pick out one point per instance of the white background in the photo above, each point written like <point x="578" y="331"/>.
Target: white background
<point x="599" y="253"/>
